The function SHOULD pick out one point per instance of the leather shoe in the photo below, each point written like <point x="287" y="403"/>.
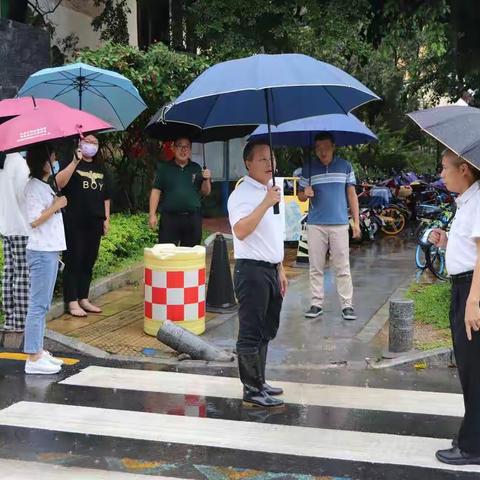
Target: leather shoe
<point x="455" y="456"/>
<point x="272" y="390"/>
<point x="260" y="398"/>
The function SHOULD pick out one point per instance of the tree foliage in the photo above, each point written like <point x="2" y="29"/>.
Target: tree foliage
<point x="399" y="49"/>
<point x="405" y="51"/>
<point x="112" y="21"/>
<point x="160" y="75"/>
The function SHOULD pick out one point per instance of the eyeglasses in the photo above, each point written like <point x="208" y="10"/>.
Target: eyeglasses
<point x="183" y="147"/>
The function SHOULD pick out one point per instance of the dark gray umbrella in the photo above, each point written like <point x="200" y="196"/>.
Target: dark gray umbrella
<point x="456" y="127"/>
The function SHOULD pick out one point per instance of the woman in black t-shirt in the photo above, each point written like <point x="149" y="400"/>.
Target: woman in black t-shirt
<point x="86" y="185"/>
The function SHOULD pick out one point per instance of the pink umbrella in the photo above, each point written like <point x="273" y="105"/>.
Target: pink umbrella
<point x="13" y="107"/>
<point x="46" y="123"/>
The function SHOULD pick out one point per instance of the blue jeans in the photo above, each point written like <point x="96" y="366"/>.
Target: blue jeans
<point x="43" y="275"/>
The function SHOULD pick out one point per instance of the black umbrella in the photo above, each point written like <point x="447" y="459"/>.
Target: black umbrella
<point x="166" y="130"/>
<point x="456" y="127"/>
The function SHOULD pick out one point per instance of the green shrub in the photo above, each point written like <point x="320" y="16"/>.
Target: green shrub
<point x="128" y="236"/>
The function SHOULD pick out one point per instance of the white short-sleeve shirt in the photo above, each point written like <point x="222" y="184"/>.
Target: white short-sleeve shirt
<point x="265" y="243"/>
<point x="13" y="178"/>
<point x="50" y="235"/>
<point x="461" y="254"/>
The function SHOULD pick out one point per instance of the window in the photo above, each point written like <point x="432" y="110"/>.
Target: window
<point x="153" y="19"/>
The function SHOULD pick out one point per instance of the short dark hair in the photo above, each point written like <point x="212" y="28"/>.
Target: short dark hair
<point x="324" y="136"/>
<point x="458" y="161"/>
<point x="185" y="137"/>
<point x="36" y="158"/>
<point x="248" y="149"/>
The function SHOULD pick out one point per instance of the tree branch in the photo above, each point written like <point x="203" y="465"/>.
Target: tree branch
<point x="36" y="7"/>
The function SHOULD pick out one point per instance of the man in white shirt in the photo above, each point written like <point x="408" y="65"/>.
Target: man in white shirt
<point x="463" y="265"/>
<point x="260" y="280"/>
<point x="14" y="231"/>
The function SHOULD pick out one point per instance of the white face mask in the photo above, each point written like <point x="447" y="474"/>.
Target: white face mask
<point x="88" y="149"/>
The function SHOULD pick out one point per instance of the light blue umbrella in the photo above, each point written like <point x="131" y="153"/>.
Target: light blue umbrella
<point x="103" y="93"/>
<point x="346" y="130"/>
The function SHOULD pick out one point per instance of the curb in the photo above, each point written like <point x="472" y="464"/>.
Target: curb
<point x="116" y="280"/>
<point x="174" y="362"/>
<point x="377" y="322"/>
<point x="438" y="357"/>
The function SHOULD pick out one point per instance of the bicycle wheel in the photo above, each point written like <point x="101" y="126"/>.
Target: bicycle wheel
<point x="394" y="221"/>
<point x="435" y="260"/>
<point x="420" y="259"/>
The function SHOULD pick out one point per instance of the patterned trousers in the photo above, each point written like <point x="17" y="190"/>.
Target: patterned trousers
<point x="15" y="283"/>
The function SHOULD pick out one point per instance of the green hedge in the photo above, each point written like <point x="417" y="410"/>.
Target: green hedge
<point x="128" y="236"/>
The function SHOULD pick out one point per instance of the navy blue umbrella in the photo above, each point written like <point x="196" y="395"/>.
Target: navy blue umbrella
<point x="166" y="130"/>
<point x="456" y="127"/>
<point x="161" y="129"/>
<point x="270" y="89"/>
<point x="346" y="130"/>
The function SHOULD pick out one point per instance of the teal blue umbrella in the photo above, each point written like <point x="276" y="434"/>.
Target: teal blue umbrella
<point x="103" y="93"/>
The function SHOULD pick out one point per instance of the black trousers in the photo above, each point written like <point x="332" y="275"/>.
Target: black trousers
<point x="467" y="355"/>
<point x="257" y="288"/>
<point x="184" y="229"/>
<point x="83" y="243"/>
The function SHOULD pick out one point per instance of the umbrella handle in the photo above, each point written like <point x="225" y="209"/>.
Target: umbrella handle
<point x="75" y="150"/>
<point x="276" y="207"/>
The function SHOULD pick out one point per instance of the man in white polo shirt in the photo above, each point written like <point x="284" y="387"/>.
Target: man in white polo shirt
<point x="463" y="265"/>
<point x="260" y="280"/>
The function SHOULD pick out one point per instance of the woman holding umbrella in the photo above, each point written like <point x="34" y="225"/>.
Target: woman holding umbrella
<point x="46" y="241"/>
<point x="87" y="217"/>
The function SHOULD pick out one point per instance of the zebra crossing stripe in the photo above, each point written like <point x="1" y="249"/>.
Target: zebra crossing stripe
<point x="406" y="401"/>
<point x="21" y="470"/>
<point x="309" y="442"/>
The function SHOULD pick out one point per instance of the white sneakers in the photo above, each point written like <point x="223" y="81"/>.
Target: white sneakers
<point x="51" y="358"/>
<point x="46" y="365"/>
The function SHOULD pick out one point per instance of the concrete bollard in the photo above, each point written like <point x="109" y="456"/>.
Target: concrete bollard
<point x="400" y="338"/>
<point x="183" y="341"/>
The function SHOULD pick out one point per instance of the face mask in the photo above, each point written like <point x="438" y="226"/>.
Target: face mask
<point x="88" y="149"/>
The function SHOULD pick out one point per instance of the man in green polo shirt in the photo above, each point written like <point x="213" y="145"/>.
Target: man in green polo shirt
<point x="178" y="187"/>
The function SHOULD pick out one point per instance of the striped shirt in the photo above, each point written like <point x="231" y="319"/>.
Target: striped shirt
<point x="329" y="205"/>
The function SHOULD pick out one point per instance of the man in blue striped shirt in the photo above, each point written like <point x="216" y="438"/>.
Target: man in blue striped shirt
<point x="328" y="182"/>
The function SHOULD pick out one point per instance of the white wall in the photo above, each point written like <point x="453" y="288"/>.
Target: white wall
<point x="132" y="23"/>
<point x="68" y="21"/>
<point x="76" y="17"/>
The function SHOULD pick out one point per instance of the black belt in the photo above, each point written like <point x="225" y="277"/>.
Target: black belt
<point x="256" y="263"/>
<point x="465" y="276"/>
<point x="182" y="213"/>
